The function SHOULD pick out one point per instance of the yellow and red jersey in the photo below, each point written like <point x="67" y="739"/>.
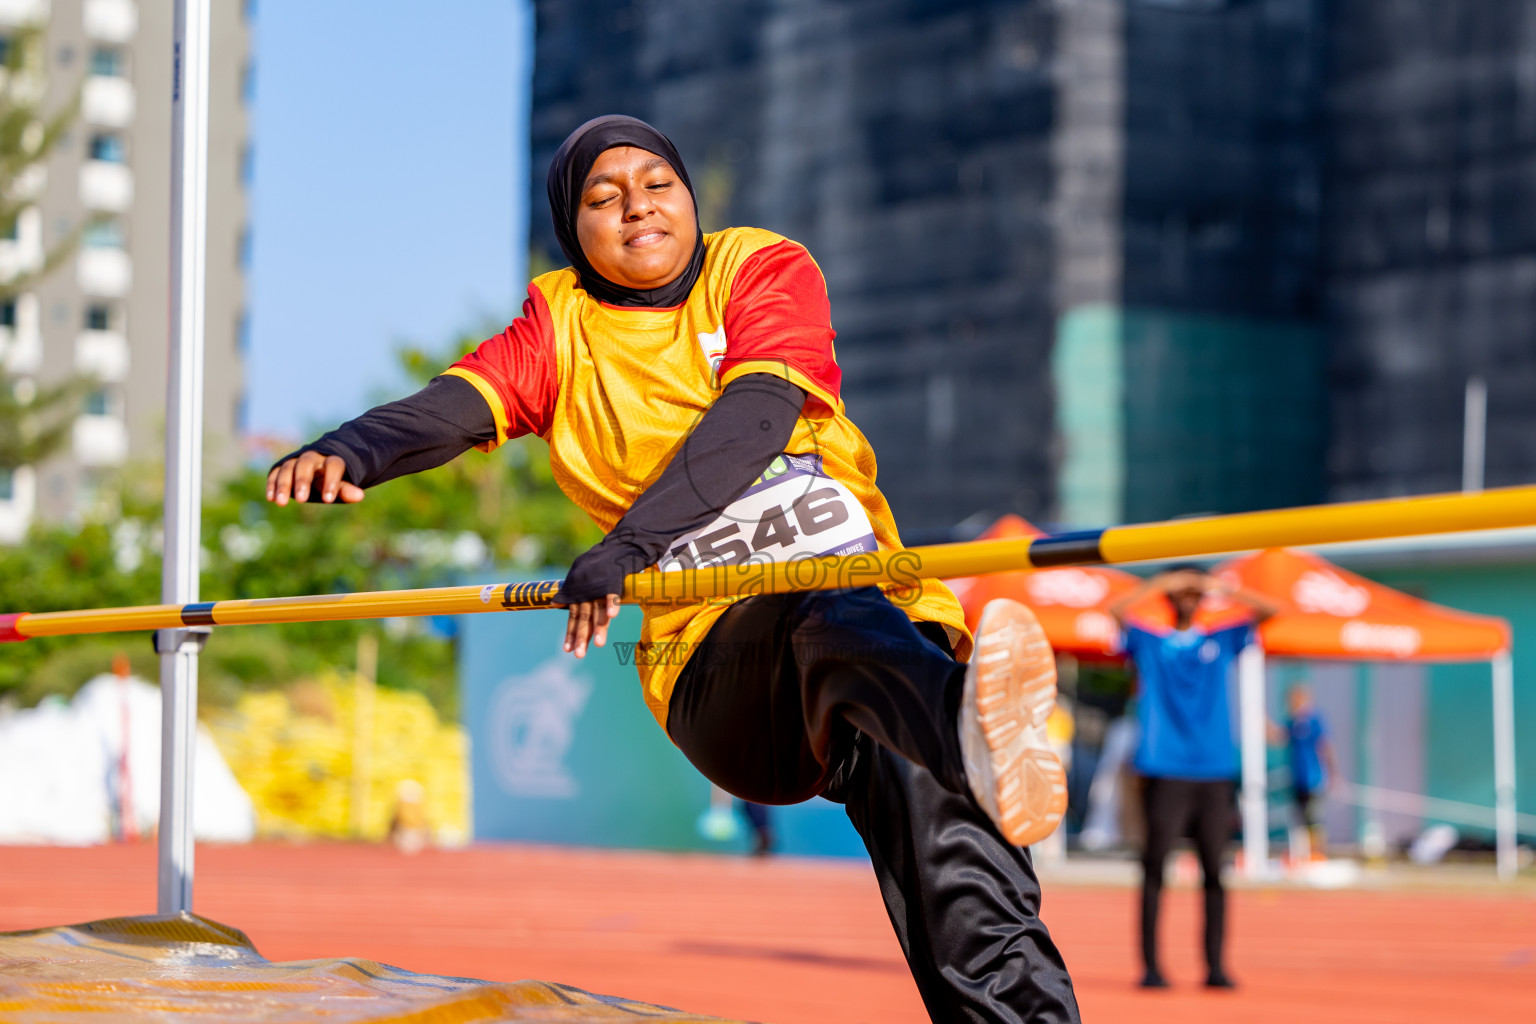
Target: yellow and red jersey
<point x="615" y="390"/>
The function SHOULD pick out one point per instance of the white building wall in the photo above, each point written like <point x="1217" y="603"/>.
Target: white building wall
<point x="16" y="510"/>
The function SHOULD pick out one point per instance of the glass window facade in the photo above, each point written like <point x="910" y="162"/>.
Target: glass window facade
<point x="98" y="317"/>
<point x="98" y="403"/>
<point x="107" y="61"/>
<point x="107" y="147"/>
<point x="103" y="234"/>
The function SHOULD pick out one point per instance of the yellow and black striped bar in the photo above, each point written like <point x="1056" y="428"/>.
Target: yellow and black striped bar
<point x="1178" y="538"/>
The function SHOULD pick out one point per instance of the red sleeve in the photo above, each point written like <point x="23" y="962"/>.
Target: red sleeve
<point x="778" y="321"/>
<point x="515" y="372"/>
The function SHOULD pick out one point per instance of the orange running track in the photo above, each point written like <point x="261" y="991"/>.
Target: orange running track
<point x="799" y="942"/>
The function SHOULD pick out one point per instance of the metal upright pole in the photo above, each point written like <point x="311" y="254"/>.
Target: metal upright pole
<point x="1252" y="717"/>
<point x="1505" y="820"/>
<point x="183" y="446"/>
<point x="1474" y="435"/>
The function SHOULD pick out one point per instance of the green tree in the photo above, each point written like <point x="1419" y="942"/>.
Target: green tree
<point x="34" y="422"/>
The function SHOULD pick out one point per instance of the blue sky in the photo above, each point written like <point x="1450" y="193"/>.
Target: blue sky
<point x="388" y="202"/>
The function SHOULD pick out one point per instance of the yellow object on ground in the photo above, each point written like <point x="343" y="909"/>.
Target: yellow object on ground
<point x="295" y="752"/>
<point x="1060" y="727"/>
<point x="134" y="968"/>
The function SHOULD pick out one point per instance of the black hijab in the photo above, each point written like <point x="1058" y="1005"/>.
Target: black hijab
<point x="568" y="172"/>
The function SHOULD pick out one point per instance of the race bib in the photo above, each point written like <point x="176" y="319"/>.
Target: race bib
<point x="794" y="510"/>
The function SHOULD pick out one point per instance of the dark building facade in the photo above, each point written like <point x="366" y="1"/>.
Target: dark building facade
<point x="1191" y="374"/>
<point x="1431" y="239"/>
<point x="1106" y="260"/>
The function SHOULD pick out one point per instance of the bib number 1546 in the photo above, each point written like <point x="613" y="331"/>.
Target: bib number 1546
<point x="778" y="532"/>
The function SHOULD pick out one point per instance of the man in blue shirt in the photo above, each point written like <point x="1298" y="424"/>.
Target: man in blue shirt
<point x="1187" y="758"/>
<point x="1310" y="756"/>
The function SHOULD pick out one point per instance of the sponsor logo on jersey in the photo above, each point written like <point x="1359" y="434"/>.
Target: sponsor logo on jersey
<point x="713" y="345"/>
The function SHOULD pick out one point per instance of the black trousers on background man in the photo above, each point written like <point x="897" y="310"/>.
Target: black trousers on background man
<point x="837" y="693"/>
<point x="1201" y="810"/>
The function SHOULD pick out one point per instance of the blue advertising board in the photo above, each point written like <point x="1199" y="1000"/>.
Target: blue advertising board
<point x="565" y="750"/>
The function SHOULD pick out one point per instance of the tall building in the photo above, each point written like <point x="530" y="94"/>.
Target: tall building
<point x="1190" y="359"/>
<point x="103" y="313"/>
<point x="1106" y="260"/>
<point x="1431" y="240"/>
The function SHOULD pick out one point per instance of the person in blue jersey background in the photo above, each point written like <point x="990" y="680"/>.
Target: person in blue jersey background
<point x="1186" y="756"/>
<point x="1309" y="754"/>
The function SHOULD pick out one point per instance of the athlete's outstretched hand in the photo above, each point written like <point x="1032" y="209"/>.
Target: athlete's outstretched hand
<point x="294" y="478"/>
<point x="589" y="621"/>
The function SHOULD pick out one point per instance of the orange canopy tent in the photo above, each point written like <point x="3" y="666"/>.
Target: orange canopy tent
<point x="1070" y="603"/>
<point x="1329" y="612"/>
<point x="1325" y="611"/>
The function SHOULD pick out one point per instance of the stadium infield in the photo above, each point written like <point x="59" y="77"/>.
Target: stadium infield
<point x="801" y="941"/>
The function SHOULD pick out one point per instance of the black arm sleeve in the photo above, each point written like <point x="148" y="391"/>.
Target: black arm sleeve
<point x="436" y="424"/>
<point x="746" y="429"/>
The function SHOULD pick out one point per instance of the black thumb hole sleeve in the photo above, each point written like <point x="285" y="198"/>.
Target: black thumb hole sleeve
<point x="422" y="431"/>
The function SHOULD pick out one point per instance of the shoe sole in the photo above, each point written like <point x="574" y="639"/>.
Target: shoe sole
<point x="1010" y="689"/>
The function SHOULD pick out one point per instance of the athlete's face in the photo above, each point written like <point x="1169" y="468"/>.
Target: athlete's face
<point x="635" y="222"/>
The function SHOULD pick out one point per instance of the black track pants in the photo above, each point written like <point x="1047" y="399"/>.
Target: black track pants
<point x="1201" y="810"/>
<point x="837" y="693"/>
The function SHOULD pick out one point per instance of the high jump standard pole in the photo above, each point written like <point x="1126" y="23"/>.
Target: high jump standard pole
<point x="179" y="647"/>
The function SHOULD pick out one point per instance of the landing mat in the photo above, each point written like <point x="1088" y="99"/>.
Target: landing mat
<point x="132" y="968"/>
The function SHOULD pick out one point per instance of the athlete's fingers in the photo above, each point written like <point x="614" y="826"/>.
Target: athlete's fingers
<point x="332" y="469"/>
<point x="581" y="617"/>
<point x="603" y="610"/>
<point x="584" y="628"/>
<point x="304" y="474"/>
<point x="599" y="622"/>
<point x="301" y="475"/>
<point x="294" y="477"/>
<point x="284" y="482"/>
<point x="588" y="627"/>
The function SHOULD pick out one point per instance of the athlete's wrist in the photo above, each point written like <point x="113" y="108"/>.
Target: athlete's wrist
<point x="600" y="571"/>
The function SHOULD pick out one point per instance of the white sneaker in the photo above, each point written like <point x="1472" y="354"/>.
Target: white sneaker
<point x="1010" y="689"/>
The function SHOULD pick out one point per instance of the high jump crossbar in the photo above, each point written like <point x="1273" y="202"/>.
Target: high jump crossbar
<point x="1177" y="538"/>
